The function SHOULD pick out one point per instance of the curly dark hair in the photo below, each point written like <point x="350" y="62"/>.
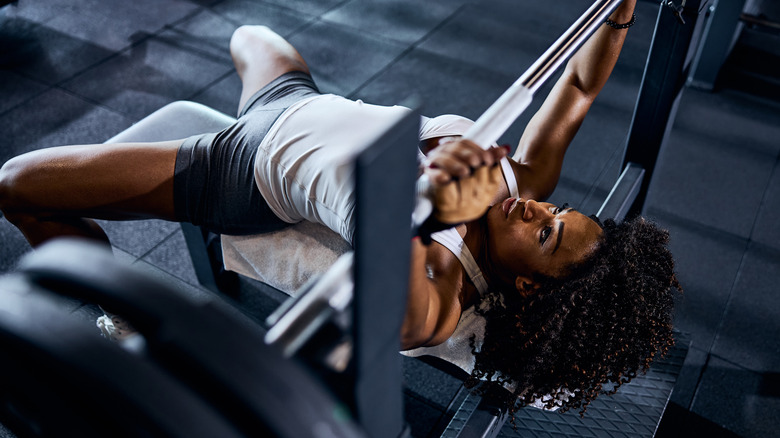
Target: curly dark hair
<point x="588" y="332"/>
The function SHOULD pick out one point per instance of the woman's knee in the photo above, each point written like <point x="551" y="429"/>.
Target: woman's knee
<point x="251" y="38"/>
<point x="10" y="176"/>
<point x="19" y="177"/>
<point x="259" y="49"/>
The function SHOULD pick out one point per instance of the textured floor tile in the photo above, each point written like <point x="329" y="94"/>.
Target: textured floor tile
<point x="711" y="181"/>
<point x="137" y="237"/>
<point x="148" y="76"/>
<point x="205" y="32"/>
<point x="38" y="11"/>
<point x="766" y="231"/>
<point x="509" y="37"/>
<point x="16" y="89"/>
<point x="115" y="24"/>
<point x="45" y="54"/>
<point x="222" y="95"/>
<point x="403" y="20"/>
<point x="193" y="292"/>
<point x="56" y="118"/>
<point x="480" y="37"/>
<point x="309" y="7"/>
<point x="332" y="53"/>
<point x="571" y="192"/>
<point x="706" y="262"/>
<point x="749" y="123"/>
<point x="601" y="135"/>
<point x="420" y="416"/>
<point x="14" y="246"/>
<point x="751" y="326"/>
<point x="602" y="186"/>
<point x="739" y="400"/>
<point x="444" y="85"/>
<point x="123" y="256"/>
<point x="688" y="380"/>
<point x="173" y="257"/>
<point x="282" y="20"/>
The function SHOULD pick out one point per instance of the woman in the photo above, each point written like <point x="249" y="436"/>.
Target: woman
<point x="553" y="266"/>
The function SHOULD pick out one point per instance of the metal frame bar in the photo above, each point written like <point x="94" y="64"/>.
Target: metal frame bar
<point x="477" y="416"/>
<point x="623" y="194"/>
<point x="671" y="51"/>
<point x="381" y="275"/>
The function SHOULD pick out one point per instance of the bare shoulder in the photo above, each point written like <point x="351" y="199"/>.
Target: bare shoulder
<point x="530" y="184"/>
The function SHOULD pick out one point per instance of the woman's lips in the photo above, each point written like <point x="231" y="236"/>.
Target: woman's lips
<point x="508" y="205"/>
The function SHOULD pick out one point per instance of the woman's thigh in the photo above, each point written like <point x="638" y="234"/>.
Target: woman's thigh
<point x="260" y="56"/>
<point x="102" y="181"/>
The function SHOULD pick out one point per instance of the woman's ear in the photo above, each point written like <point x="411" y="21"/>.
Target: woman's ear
<point x="525" y="286"/>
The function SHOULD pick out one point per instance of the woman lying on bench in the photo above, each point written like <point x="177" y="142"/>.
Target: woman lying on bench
<point x="574" y="304"/>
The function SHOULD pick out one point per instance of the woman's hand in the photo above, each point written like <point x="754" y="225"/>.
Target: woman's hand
<point x="465" y="179"/>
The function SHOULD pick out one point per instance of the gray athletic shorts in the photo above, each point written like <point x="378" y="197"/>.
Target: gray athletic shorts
<point x="214" y="183"/>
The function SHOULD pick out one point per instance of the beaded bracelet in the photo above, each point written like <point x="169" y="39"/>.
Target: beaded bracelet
<point x="614" y="25"/>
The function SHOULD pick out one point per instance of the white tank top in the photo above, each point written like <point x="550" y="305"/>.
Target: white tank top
<point x="451" y="240"/>
<point x="304" y="165"/>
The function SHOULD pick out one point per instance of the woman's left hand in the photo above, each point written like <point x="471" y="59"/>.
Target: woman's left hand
<point x="465" y="179"/>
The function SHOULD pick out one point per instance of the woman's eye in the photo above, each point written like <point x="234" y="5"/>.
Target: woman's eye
<point x="545" y="234"/>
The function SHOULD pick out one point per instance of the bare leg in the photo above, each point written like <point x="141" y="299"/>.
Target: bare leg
<point x="52" y="192"/>
<point x="260" y="56"/>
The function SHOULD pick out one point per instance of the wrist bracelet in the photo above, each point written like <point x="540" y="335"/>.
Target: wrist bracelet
<point x="614" y="25"/>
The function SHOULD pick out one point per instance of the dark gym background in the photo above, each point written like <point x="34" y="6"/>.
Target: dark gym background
<point x="81" y="71"/>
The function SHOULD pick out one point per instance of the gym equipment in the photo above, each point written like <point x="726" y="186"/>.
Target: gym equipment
<point x="204" y="369"/>
<point x="62" y="379"/>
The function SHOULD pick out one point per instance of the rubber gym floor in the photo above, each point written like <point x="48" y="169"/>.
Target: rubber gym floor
<point x="79" y="72"/>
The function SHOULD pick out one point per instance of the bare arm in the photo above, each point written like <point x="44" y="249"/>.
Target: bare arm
<point x="539" y="156"/>
<point x="433" y="308"/>
<point x="465" y="178"/>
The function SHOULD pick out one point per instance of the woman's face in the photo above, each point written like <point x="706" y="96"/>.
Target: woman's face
<point x="528" y="237"/>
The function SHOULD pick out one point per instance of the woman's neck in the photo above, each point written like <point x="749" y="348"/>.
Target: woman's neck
<point x="476" y="239"/>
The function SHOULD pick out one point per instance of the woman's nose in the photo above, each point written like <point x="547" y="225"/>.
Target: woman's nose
<point x="531" y="209"/>
<point x="534" y="210"/>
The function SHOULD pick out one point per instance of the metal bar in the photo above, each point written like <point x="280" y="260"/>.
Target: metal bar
<point x="656" y="107"/>
<point x="196" y="245"/>
<point x="476" y="417"/>
<point x="568" y="43"/>
<point x="294" y="323"/>
<point x="384" y="178"/>
<point x="507" y="108"/>
<point x="623" y="193"/>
